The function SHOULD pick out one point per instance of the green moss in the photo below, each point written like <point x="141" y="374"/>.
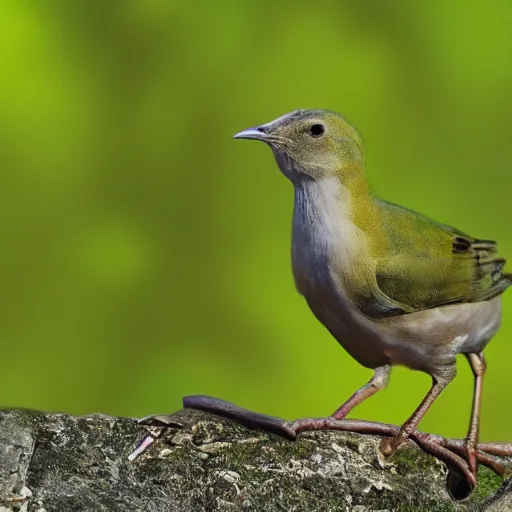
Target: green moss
<point x="240" y="454"/>
<point x="442" y="507"/>
<point x="176" y="455"/>
<point x="299" y="449"/>
<point x="488" y="484"/>
<point x="409" y="459"/>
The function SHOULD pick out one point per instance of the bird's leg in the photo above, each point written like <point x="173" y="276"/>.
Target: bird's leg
<point x="379" y="381"/>
<point x="389" y="445"/>
<point x="478" y="365"/>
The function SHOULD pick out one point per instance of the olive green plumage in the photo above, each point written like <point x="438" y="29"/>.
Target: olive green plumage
<point x="407" y="262"/>
<point x="426" y="264"/>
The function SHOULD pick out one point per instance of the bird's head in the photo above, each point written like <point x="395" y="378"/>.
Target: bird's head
<point x="312" y="144"/>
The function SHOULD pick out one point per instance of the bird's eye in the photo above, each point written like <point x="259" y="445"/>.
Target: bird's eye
<point x="316" y="130"/>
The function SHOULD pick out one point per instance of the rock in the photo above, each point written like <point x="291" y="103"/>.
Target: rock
<point x="502" y="500"/>
<point x="63" y="463"/>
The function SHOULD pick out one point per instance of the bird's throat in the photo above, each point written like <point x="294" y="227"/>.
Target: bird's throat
<point x="326" y="241"/>
<point x="325" y="208"/>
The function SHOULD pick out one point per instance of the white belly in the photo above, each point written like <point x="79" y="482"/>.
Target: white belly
<point x="432" y="338"/>
<point x="427" y="340"/>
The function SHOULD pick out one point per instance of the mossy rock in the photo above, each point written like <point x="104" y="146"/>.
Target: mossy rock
<point x="58" y="462"/>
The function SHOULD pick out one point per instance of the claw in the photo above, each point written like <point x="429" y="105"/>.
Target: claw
<point x="387" y="447"/>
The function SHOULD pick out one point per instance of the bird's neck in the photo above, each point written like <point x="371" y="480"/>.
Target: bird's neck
<point x="326" y="217"/>
<point x="325" y="203"/>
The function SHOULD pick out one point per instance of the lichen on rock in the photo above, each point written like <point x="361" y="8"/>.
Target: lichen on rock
<point x="58" y="462"/>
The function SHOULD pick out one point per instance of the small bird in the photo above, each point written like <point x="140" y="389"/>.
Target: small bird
<point x="392" y="286"/>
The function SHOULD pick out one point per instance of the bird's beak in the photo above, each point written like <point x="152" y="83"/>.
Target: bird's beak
<point x="256" y="133"/>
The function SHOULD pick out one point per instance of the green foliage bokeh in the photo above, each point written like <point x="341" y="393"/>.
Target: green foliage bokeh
<point x="146" y="255"/>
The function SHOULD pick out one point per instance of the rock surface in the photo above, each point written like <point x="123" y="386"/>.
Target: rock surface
<point x="62" y="463"/>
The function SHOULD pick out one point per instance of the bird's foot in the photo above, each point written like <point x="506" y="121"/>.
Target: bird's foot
<point x="460" y="480"/>
<point x="392" y="435"/>
<point x="453" y="452"/>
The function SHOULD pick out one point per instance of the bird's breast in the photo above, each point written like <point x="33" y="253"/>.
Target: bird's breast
<point x="327" y="249"/>
<point x="326" y="244"/>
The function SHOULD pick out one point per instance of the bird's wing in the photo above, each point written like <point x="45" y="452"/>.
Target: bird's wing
<point x="427" y="265"/>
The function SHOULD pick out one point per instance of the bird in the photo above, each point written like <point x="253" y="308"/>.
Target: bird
<point x="391" y="285"/>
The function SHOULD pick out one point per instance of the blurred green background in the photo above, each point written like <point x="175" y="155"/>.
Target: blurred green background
<point x="145" y="255"/>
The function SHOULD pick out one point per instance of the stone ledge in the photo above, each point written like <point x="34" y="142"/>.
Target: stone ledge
<point x="61" y="463"/>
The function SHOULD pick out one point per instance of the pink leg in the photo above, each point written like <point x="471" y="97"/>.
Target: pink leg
<point x="379" y="381"/>
<point x="478" y="365"/>
<point x="388" y="446"/>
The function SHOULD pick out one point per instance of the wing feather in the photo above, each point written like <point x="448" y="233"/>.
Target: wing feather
<point x="427" y="265"/>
